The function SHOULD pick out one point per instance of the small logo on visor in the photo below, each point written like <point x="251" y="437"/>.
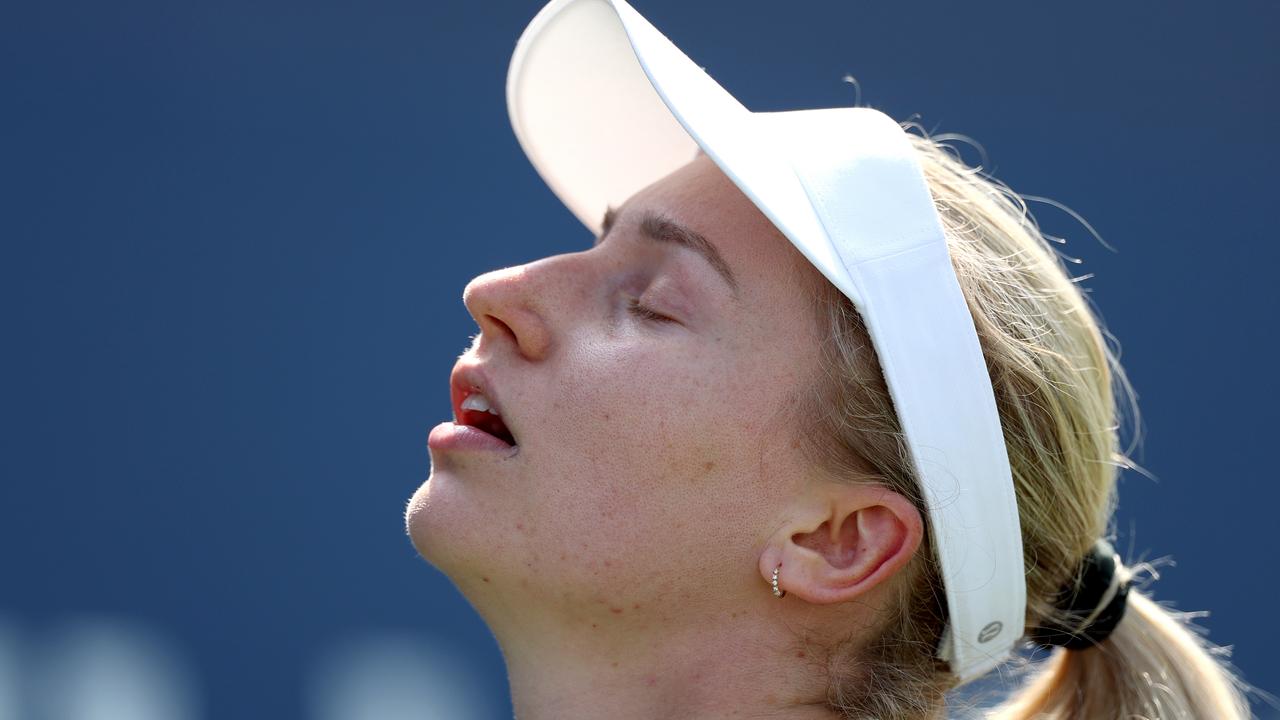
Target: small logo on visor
<point x="990" y="632"/>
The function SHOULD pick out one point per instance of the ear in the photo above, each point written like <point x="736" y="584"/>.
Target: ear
<point x="841" y="540"/>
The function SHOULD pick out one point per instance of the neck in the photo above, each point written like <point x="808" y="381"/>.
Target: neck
<point x="735" y="667"/>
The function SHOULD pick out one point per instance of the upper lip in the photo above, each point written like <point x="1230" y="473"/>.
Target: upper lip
<point x="469" y="378"/>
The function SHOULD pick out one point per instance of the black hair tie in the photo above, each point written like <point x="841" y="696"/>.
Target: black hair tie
<point x="1092" y="608"/>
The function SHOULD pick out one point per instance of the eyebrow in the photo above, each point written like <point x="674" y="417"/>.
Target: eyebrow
<point x="663" y="229"/>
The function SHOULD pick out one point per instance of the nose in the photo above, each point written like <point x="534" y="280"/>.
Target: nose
<point x="506" y="305"/>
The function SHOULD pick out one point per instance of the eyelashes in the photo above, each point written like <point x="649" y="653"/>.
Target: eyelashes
<point x="644" y="312"/>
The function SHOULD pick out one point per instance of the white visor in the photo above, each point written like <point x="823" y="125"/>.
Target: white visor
<point x="604" y="105"/>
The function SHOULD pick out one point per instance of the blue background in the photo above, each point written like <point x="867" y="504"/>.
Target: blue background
<point x="234" y="236"/>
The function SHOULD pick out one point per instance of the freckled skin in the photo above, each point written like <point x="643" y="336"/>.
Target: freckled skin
<point x="657" y="450"/>
<point x="621" y="546"/>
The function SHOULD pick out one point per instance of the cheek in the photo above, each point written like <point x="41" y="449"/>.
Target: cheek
<point x="656" y="413"/>
<point x="648" y="452"/>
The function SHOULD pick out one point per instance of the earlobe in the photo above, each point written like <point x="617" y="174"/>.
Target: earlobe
<point x="843" y="545"/>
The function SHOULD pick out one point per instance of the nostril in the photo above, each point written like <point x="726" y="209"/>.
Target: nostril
<point x="503" y="328"/>
<point x="521" y="326"/>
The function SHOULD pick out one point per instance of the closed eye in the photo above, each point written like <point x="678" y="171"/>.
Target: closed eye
<point x="644" y="312"/>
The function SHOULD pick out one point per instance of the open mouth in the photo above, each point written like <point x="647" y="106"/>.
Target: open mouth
<point x="477" y="412"/>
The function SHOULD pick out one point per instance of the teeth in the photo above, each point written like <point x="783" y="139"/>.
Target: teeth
<point x="477" y="401"/>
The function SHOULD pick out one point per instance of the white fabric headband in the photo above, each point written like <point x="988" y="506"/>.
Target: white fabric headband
<point x="604" y="104"/>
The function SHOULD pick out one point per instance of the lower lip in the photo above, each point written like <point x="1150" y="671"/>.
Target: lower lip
<point x="452" y="436"/>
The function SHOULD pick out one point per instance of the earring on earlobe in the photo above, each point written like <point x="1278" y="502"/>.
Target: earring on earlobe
<point x="777" y="592"/>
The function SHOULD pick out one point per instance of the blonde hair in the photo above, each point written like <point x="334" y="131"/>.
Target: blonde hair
<point x="1061" y="395"/>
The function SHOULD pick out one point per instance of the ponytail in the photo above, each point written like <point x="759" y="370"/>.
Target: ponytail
<point x="1155" y="664"/>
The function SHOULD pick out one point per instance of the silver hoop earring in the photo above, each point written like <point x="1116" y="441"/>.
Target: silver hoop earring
<point x="777" y="591"/>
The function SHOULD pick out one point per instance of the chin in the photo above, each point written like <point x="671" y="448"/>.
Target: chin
<point x="425" y="521"/>
<point x="446" y="526"/>
<point x="417" y="520"/>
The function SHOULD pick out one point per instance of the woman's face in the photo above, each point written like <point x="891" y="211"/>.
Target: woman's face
<point x="652" y="384"/>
